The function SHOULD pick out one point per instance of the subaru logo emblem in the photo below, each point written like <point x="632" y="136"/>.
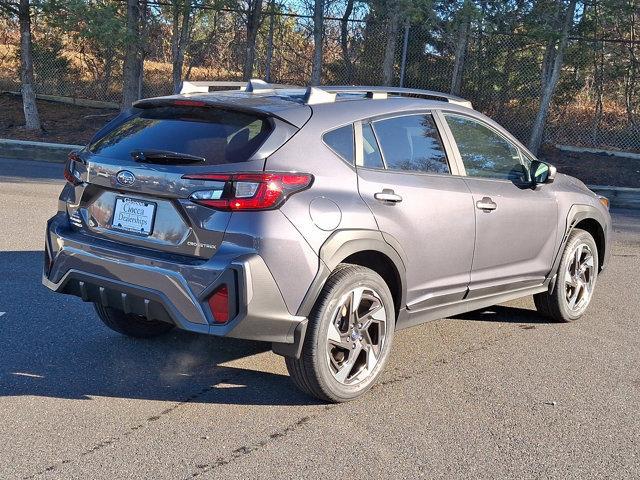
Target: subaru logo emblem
<point x="126" y="178"/>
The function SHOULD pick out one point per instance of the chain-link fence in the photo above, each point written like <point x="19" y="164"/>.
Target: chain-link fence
<point x="597" y="101"/>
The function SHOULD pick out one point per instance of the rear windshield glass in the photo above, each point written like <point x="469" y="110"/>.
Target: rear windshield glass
<point x="218" y="136"/>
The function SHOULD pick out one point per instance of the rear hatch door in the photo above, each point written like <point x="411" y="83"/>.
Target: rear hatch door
<point x="134" y="191"/>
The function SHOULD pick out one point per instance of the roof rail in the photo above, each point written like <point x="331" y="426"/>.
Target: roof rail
<point x="319" y="94"/>
<point x="253" y="85"/>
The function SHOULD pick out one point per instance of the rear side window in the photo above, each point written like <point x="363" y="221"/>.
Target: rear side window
<point x="412" y="143"/>
<point x="371" y="153"/>
<point x="218" y="136"/>
<point x="341" y="140"/>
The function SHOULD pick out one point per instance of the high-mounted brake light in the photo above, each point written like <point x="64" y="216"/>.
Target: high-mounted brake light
<point x="249" y="191"/>
<point x="71" y="174"/>
<point x="188" y="103"/>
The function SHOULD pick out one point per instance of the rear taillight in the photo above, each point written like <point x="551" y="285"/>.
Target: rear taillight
<point x="219" y="304"/>
<point x="71" y="173"/>
<point x="249" y="191"/>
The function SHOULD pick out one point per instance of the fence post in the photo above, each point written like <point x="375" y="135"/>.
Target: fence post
<point x="405" y="46"/>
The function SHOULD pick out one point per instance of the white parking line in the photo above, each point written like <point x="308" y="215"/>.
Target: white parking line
<point x="2" y="313"/>
<point x="30" y="375"/>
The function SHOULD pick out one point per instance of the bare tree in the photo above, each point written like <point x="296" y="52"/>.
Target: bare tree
<point x="269" y="59"/>
<point x="461" y="47"/>
<point x="144" y="47"/>
<point x="631" y="79"/>
<point x="253" y="23"/>
<point x="598" y="80"/>
<point x="552" y="81"/>
<point x="132" y="68"/>
<point x="550" y="47"/>
<point x="318" y="38"/>
<point x="393" y="27"/>
<point x="344" y="40"/>
<point x="180" y="39"/>
<point x="29" y="106"/>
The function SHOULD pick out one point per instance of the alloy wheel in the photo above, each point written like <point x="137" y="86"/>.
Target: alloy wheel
<point x="579" y="278"/>
<point x="356" y="337"/>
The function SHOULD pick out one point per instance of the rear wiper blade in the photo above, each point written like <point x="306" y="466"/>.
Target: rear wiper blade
<point x="165" y="157"/>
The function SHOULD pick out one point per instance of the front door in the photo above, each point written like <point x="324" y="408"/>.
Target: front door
<point x="516" y="225"/>
<point x="420" y="204"/>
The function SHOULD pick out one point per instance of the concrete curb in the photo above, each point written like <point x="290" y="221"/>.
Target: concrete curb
<point x="598" y="151"/>
<point x="26" y="150"/>
<point x="619" y="197"/>
<point x="81" y="102"/>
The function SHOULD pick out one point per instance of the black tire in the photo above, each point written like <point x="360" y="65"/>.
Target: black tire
<point x="313" y="372"/>
<point x="554" y="304"/>
<point x="131" y="325"/>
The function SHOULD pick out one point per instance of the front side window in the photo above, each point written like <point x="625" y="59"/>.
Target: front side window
<point x="485" y="153"/>
<point x="412" y="143"/>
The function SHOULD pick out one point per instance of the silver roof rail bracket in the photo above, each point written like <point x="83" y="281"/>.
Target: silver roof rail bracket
<point x="461" y="102"/>
<point x="205" y="86"/>
<point x="377" y="95"/>
<point x="315" y="96"/>
<point x="255" y="85"/>
<point x="193" y="87"/>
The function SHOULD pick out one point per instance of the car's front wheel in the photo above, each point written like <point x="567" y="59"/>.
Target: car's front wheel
<point x="348" y="338"/>
<point x="131" y="325"/>
<point x="576" y="280"/>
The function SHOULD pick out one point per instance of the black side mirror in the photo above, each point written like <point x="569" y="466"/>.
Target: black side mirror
<point x="542" y="172"/>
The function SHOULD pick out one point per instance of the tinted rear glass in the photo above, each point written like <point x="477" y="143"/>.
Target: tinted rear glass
<point x="341" y="141"/>
<point x="218" y="136"/>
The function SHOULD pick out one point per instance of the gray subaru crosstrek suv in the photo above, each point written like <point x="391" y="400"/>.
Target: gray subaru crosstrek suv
<point x="320" y="220"/>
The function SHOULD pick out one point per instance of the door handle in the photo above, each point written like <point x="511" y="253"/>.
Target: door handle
<point x="387" y="195"/>
<point x="486" y="204"/>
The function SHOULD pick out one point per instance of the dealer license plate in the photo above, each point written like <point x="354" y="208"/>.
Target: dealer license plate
<point x="133" y="215"/>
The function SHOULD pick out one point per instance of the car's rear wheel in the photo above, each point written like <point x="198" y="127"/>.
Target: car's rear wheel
<point x="131" y="325"/>
<point x="576" y="280"/>
<point x="349" y="336"/>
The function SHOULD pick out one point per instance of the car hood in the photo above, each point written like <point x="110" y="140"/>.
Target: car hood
<point x="572" y="183"/>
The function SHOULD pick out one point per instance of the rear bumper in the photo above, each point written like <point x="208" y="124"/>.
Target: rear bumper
<point x="171" y="288"/>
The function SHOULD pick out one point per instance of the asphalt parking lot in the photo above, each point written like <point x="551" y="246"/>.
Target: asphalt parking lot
<point x="494" y="394"/>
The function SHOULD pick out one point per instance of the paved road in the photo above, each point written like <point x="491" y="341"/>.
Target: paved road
<point x="494" y="394"/>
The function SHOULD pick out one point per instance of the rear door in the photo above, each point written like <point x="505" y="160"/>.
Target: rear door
<point x="135" y="192"/>
<point x="420" y="203"/>
<point x="515" y="223"/>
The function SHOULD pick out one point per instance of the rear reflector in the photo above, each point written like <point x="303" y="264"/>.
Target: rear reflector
<point x="249" y="191"/>
<point x="219" y="304"/>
